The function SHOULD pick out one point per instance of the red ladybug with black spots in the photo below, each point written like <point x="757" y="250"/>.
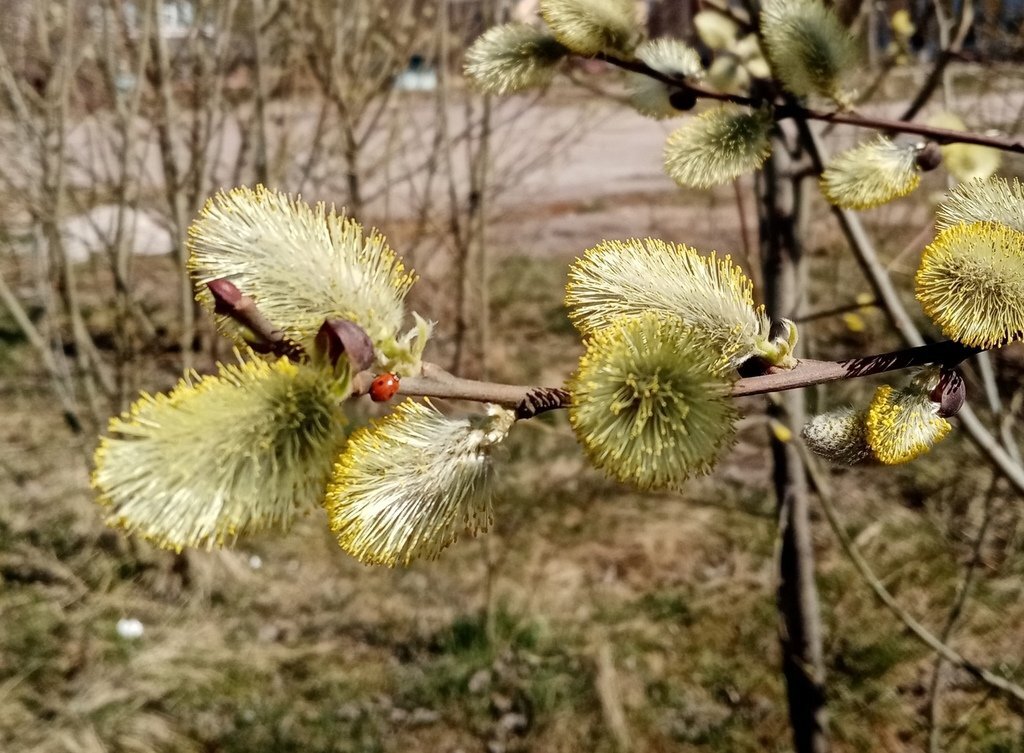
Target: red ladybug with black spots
<point x="383" y="387"/>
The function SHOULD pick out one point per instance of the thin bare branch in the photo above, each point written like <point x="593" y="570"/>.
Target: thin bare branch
<point x="792" y="109"/>
<point x="950" y="50"/>
<point x="981" y="674"/>
<point x="963" y="593"/>
<point x="437" y="383"/>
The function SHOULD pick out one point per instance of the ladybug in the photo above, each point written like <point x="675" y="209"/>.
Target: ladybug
<point x="383" y="387"/>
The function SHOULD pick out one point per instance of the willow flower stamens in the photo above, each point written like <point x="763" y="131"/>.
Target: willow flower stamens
<point x="513" y="58"/>
<point x="992" y="200"/>
<point x="871" y="174"/>
<point x="651" y="402"/>
<point x="718" y="146"/>
<point x="409" y="485"/>
<point x="221" y="456"/>
<point x="627" y="278"/>
<point x="903" y="424"/>
<point x="971" y="283"/>
<point x="302" y="265"/>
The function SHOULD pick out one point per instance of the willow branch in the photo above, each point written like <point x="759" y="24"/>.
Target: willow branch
<point x="526" y="401"/>
<point x="529" y="401"/>
<point x="436" y="382"/>
<point x="788" y="110"/>
<point x="979" y="673"/>
<point x="887" y="296"/>
<point x="950" y="50"/>
<point x="963" y="593"/>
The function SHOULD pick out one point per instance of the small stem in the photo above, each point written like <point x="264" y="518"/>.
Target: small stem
<point x="983" y="675"/>
<point x="809" y="372"/>
<point x="795" y="110"/>
<point x="436" y="382"/>
<point x="963" y="593"/>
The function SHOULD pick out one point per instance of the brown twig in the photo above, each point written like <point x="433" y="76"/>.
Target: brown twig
<point x="985" y="676"/>
<point x="436" y="382"/>
<point x="229" y="301"/>
<point x="787" y="110"/>
<point x="963" y="593"/>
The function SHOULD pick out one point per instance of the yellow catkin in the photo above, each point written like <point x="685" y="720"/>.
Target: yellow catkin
<point x="410" y="484"/>
<point x="871" y="174"/>
<point x="902" y="425"/>
<point x="718" y="146"/>
<point x="971" y="283"/>
<point x="651" y="402"/>
<point x="512" y="58"/>
<point x="300" y="263"/>
<point x="223" y="455"/>
<point x="707" y="292"/>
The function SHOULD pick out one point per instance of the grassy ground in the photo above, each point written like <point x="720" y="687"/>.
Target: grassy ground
<point x="591" y="619"/>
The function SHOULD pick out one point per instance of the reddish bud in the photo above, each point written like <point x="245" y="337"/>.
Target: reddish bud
<point x="339" y="337"/>
<point x="950" y="393"/>
<point x="226" y="296"/>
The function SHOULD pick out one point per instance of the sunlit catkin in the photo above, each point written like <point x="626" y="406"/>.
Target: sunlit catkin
<point x="718" y="146"/>
<point x="409" y="485"/>
<point x="707" y="292"/>
<point x="222" y="456"/>
<point x="809" y="48"/>
<point x="971" y="283"/>
<point x="301" y="265"/>
<point x="588" y="27"/>
<point x="903" y="424"/>
<point x="512" y="58"/>
<point x="991" y="200"/>
<point x="871" y="174"/>
<point x="651" y="402"/>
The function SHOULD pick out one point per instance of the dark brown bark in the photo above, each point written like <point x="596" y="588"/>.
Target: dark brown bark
<point x="797" y="597"/>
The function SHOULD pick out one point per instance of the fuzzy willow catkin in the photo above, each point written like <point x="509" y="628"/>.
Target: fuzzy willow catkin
<point x="971" y="283"/>
<point x="512" y="58"/>
<point x="718" y="146"/>
<point x="809" y="48"/>
<point x="992" y="200"/>
<point x="302" y="264"/>
<point x="871" y="174"/>
<point x="410" y="484"/>
<point x="839" y="436"/>
<point x="222" y="455"/>
<point x="707" y="292"/>
<point x="588" y="27"/>
<point x="651" y="402"/>
<point x="903" y="424"/>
